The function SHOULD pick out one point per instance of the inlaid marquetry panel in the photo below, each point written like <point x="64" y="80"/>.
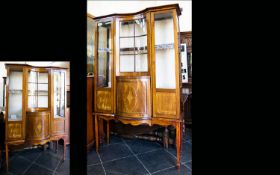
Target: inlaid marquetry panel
<point x="133" y="97"/>
<point x="104" y="100"/>
<point x="14" y="130"/>
<point x="37" y="126"/>
<point x="165" y="104"/>
<point x="58" y="125"/>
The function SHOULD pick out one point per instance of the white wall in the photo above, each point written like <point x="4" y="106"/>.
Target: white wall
<point x="100" y="8"/>
<point x="3" y="72"/>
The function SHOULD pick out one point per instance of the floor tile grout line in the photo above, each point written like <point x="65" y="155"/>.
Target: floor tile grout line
<point x="171" y="154"/>
<point x="116" y="159"/>
<point x="125" y="157"/>
<point x="101" y="163"/>
<point x="188" y="167"/>
<point x="57" y="166"/>
<point x="117" y="173"/>
<point x="42" y="166"/>
<point x="163" y="169"/>
<point x="105" y="145"/>
<point x="153" y="150"/>
<point x="136" y="157"/>
<point x="32" y="163"/>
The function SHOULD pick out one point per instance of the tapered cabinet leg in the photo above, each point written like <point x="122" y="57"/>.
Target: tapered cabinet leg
<point x="64" y="149"/>
<point x="178" y="143"/>
<point x="7" y="158"/>
<point x="96" y="134"/>
<point x="108" y="132"/>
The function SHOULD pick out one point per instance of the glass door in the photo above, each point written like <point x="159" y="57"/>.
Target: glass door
<point x="133" y="55"/>
<point x="164" y="50"/>
<point x="59" y="94"/>
<point x="15" y="84"/>
<point x="90" y="45"/>
<point x="104" y="52"/>
<point x="38" y="89"/>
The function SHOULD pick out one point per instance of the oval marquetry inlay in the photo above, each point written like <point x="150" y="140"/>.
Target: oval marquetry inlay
<point x="133" y="97"/>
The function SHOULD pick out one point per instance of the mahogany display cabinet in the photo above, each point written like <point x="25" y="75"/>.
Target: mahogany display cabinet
<point x="35" y="110"/>
<point x="137" y="70"/>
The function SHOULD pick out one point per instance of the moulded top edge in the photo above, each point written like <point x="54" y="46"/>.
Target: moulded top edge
<point x="143" y="11"/>
<point x="27" y="65"/>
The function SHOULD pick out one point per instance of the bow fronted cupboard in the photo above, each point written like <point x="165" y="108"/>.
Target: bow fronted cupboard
<point x="35" y="110"/>
<point x="137" y="69"/>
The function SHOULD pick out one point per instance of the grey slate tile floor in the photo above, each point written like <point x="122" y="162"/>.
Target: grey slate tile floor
<point x="121" y="156"/>
<point x="38" y="162"/>
<point x="135" y="156"/>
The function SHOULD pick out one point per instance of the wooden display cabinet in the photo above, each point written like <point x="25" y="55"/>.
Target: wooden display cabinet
<point x="35" y="110"/>
<point x="137" y="70"/>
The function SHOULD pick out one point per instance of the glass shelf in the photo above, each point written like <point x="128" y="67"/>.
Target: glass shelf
<point x="134" y="54"/>
<point x="37" y="83"/>
<point x="137" y="36"/>
<point x="164" y="46"/>
<point x="104" y="50"/>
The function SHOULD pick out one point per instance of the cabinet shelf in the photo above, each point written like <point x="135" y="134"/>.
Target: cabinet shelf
<point x="104" y="50"/>
<point x="164" y="46"/>
<point x="127" y="49"/>
<point x="37" y="83"/>
<point x="134" y="54"/>
<point x="11" y="90"/>
<point x="136" y="36"/>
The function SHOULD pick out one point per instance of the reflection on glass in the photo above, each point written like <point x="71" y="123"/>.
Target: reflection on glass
<point x="15" y="96"/>
<point x="190" y="64"/>
<point x="37" y="89"/>
<point x="59" y="94"/>
<point x="133" y="46"/>
<point x="164" y="51"/>
<point x="104" y="55"/>
<point x="90" y="45"/>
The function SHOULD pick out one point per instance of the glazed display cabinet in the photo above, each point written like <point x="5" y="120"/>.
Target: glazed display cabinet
<point x="35" y="110"/>
<point x="137" y="70"/>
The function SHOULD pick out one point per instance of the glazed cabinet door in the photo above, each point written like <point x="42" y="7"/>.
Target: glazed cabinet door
<point x="91" y="25"/>
<point x="38" y="89"/>
<point x="132" y="41"/>
<point x="104" y="96"/>
<point x="15" y="104"/>
<point x="166" y="94"/>
<point x="59" y="96"/>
